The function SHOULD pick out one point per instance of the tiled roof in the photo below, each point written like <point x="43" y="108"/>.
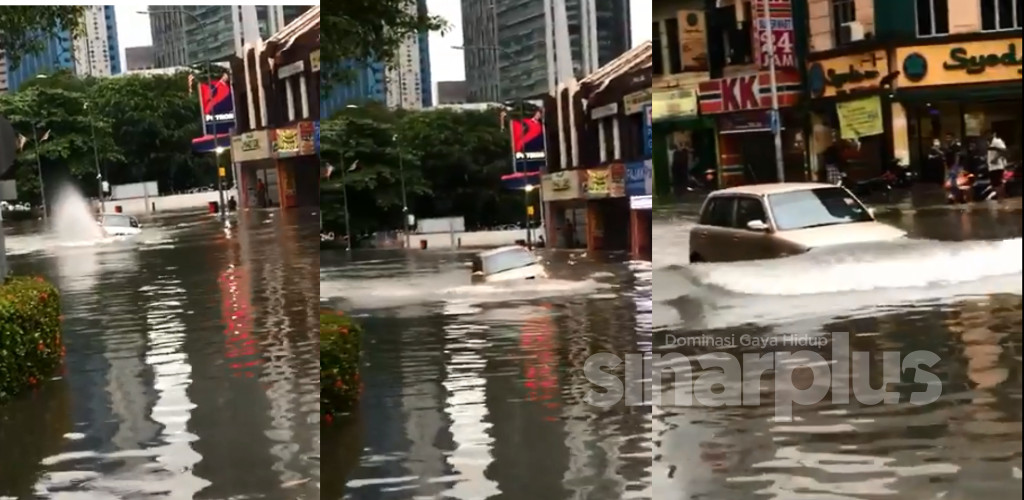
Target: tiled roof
<point x="638" y="57"/>
<point x="308" y="21"/>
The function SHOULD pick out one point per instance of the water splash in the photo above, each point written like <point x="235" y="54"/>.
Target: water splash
<point x="73" y="218"/>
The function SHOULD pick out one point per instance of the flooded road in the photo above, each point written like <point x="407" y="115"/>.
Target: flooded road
<point x="191" y="371"/>
<point x="474" y="391"/>
<point x="954" y="292"/>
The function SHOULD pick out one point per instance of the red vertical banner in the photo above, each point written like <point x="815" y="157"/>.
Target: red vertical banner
<point x="778" y="24"/>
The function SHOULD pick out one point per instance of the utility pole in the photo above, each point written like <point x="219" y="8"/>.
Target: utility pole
<point x="776" y="120"/>
<point x="39" y="168"/>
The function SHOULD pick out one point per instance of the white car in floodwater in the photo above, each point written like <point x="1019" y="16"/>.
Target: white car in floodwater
<point x="120" y="225"/>
<point x="511" y="263"/>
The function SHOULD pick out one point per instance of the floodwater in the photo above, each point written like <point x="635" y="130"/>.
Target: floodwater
<point x="476" y="392"/>
<point x="191" y="366"/>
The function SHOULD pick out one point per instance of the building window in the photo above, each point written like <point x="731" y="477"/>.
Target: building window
<point x="675" y="62"/>
<point x="658" y="65"/>
<point x="843" y="12"/>
<point x="999" y="15"/>
<point x="932" y="17"/>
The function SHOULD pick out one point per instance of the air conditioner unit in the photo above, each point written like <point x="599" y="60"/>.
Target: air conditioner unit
<point x="851" y="32"/>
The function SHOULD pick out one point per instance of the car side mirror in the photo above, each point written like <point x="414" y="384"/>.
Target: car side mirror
<point x="758" y="225"/>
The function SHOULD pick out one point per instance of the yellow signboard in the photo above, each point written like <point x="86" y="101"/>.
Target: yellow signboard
<point x="960" y="63"/>
<point x="529" y="210"/>
<point x="843" y="75"/>
<point x="860" y="118"/>
<point x="674" y="104"/>
<point x="223" y="172"/>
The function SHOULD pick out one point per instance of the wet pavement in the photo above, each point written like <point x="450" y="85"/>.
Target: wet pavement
<point x="476" y="392"/>
<point x="191" y="368"/>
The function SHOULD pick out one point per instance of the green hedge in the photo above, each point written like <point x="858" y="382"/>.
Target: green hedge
<point x="340" y="341"/>
<point x="31" y="348"/>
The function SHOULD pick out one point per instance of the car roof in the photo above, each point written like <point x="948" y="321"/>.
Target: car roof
<point x="503" y="249"/>
<point x="774" y="188"/>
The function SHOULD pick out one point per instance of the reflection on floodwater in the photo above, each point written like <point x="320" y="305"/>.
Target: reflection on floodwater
<point x="479" y="392"/>
<point x="192" y="365"/>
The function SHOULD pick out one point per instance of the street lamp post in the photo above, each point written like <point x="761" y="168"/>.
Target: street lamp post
<point x="221" y="171"/>
<point x="39" y="169"/>
<point x="344" y="197"/>
<point x="96" y="158"/>
<point x="405" y="199"/>
<point x="526" y="204"/>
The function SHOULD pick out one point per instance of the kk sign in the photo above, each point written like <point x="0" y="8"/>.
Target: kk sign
<point x="748" y="92"/>
<point x="217" y="106"/>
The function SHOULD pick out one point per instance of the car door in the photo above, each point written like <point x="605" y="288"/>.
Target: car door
<point x="748" y="244"/>
<point x="711" y="238"/>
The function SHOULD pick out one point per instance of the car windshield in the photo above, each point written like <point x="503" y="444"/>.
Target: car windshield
<point x="827" y="206"/>
<point x="117" y="221"/>
<point x="508" y="260"/>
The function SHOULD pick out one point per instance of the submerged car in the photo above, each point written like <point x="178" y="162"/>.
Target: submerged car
<point x="120" y="225"/>
<point x="507" y="264"/>
<point x="768" y="221"/>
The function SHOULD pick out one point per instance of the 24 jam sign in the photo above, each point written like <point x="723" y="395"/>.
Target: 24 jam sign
<point x="775" y="29"/>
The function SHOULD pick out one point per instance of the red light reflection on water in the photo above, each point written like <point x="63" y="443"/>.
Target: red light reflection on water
<point x="241" y="348"/>
<point x="541" y="368"/>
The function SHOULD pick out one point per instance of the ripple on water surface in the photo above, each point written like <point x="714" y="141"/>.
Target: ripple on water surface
<point x="191" y="366"/>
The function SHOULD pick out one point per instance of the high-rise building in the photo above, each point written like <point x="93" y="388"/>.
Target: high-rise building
<point x="96" y="52"/>
<point x="3" y="73"/>
<point x="139" y="58"/>
<point x="406" y="84"/>
<point x="509" y="44"/>
<point x="184" y="34"/>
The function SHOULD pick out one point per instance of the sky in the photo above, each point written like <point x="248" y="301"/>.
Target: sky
<point x="446" y="62"/>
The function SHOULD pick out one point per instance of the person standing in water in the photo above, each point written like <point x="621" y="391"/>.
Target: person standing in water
<point x="996" y="164"/>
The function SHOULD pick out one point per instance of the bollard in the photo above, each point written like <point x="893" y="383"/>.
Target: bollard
<point x="152" y="208"/>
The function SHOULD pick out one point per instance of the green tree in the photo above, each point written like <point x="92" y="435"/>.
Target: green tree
<point x="140" y="127"/>
<point x="452" y="163"/>
<point x="23" y="30"/>
<point x="365" y="30"/>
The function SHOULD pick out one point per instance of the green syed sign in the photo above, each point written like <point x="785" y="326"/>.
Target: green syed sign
<point x="975" y="64"/>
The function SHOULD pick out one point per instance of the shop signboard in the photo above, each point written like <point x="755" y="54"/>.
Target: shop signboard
<point x="307" y="139"/>
<point x="561" y="186"/>
<point x="747" y="121"/>
<point x="749" y="92"/>
<point x="961" y="63"/>
<point x="597" y="183"/>
<point x="636" y="102"/>
<point x="860" y="118"/>
<point x="648" y="131"/>
<point x="847" y="74"/>
<point x="285" y="142"/>
<point x="670" y="104"/>
<point x="693" y="40"/>
<point x="617" y="180"/>
<point x="251" y="146"/>
<point x="639" y="178"/>
<point x="777" y="28"/>
<point x="645" y="202"/>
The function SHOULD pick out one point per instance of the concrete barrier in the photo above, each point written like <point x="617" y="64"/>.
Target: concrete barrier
<point x="475" y="239"/>
<point x="171" y="203"/>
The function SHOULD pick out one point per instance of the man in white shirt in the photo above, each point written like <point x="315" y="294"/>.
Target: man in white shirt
<point x="996" y="164"/>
